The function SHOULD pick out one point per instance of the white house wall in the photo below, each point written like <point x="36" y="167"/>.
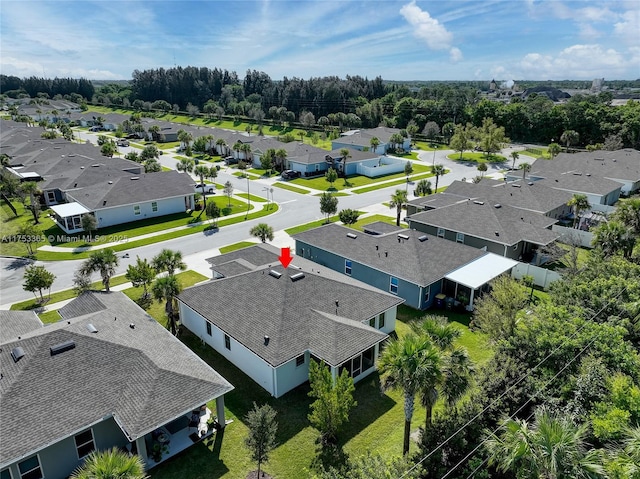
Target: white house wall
<point x="126" y="214"/>
<point x="251" y="364"/>
<point x="289" y="376"/>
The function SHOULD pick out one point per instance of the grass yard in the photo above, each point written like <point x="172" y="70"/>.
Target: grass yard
<point x="359" y="225"/>
<point x="257" y="199"/>
<point x="262" y="172"/>
<point x="539" y="152"/>
<point x="334" y="193"/>
<point x="477" y="157"/>
<point x="402" y="181"/>
<point x="244" y="174"/>
<point x="50" y="317"/>
<point x="236" y="246"/>
<point x="319" y="183"/>
<point x="287" y="186"/>
<point x="11" y="224"/>
<point x="313" y="224"/>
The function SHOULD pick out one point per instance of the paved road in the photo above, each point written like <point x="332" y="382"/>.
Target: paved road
<point x="294" y="209"/>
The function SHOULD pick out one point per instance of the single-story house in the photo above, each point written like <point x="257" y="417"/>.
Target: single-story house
<point x="361" y="140"/>
<point x="126" y="199"/>
<point x="107" y="375"/>
<point x="404" y="262"/>
<point x="272" y="321"/>
<point x="501" y="229"/>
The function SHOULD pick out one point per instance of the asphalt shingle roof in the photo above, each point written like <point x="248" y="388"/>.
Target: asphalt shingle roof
<point x="14" y="324"/>
<point x="140" y="375"/>
<point x="296" y="315"/>
<point x="419" y="262"/>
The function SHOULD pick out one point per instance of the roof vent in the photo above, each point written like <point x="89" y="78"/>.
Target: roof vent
<point x="530" y="183"/>
<point x="275" y="274"/>
<point x="110" y="182"/>
<point x="515" y="185"/>
<point x="497" y="205"/>
<point x="96" y="165"/>
<point x="17" y="353"/>
<point x="134" y="178"/>
<point x="423" y="238"/>
<point x="497" y="233"/>
<point x="403" y="236"/>
<point x="132" y="326"/>
<point x="352" y="235"/>
<point x="62" y="347"/>
<point x="91" y="328"/>
<point x="479" y="202"/>
<point x="297" y="277"/>
<point x="82" y="167"/>
<point x="577" y="173"/>
<point x="266" y="340"/>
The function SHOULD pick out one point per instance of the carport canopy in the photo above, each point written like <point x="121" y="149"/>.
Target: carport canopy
<point x="481" y="270"/>
<point x="69" y="209"/>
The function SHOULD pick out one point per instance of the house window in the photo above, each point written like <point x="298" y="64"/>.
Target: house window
<point x="302" y="252"/>
<point x="154" y="206"/>
<point x="51" y="196"/>
<point x="5" y="474"/>
<point x="84" y="443"/>
<point x="440" y="232"/>
<point x="300" y="360"/>
<point x="227" y="342"/>
<point x="347" y="266"/>
<point x="459" y="237"/>
<point x="136" y="210"/>
<point x="208" y="327"/>
<point x="372" y="322"/>
<point x="427" y="294"/>
<point x="381" y="321"/>
<point x="368" y="358"/>
<point x="30" y="469"/>
<point x="393" y="285"/>
<point x="355" y="368"/>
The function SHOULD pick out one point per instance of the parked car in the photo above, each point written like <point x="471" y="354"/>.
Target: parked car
<point x="123" y="143"/>
<point x="207" y="188"/>
<point x="290" y="174"/>
<point x="230" y="160"/>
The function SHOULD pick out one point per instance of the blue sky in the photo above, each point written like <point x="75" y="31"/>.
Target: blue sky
<point x="398" y="40"/>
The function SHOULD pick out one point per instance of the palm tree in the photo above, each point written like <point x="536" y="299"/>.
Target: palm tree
<point x="613" y="237"/>
<point x="345" y="154"/>
<point x="374" y="142"/>
<point x="169" y="261"/>
<point x="212" y="174"/>
<point x="579" y="203"/>
<point x="553" y="447"/>
<point x="525" y="167"/>
<point x="237" y="147"/>
<point x="185" y="138"/>
<point x="398" y="199"/>
<point x="110" y="464"/>
<point x="280" y="156"/>
<point x="185" y="165"/>
<point x="514" y="156"/>
<point x="396" y="139"/>
<point x="262" y="231"/>
<point x="103" y="261"/>
<point x="246" y="149"/>
<point x="201" y="172"/>
<point x="438" y="171"/>
<point x="155" y="132"/>
<point x="222" y="146"/>
<point x="167" y="288"/>
<point x="407" y="364"/>
<point x="554" y="150"/>
<point x="625" y="460"/>
<point x="569" y="137"/>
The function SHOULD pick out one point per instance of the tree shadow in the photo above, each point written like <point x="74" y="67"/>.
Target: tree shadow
<point x="329" y="456"/>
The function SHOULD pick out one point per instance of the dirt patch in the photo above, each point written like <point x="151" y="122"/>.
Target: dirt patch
<point x="254" y="475"/>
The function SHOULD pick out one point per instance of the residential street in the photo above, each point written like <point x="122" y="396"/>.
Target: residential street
<point x="294" y="209"/>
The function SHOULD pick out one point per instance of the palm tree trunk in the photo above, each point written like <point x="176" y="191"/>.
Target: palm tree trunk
<point x="398" y="216"/>
<point x="429" y="409"/>
<point x="105" y="282"/>
<point x="408" y="413"/>
<point x="407" y="436"/>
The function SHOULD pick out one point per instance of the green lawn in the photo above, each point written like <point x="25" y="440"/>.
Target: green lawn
<point x="50" y="317"/>
<point x="11" y="224"/>
<point x="262" y="172"/>
<point x="334" y="193"/>
<point x="319" y="183"/>
<point x="428" y="146"/>
<point x="257" y="199"/>
<point x="476" y="157"/>
<point x="236" y="246"/>
<point x="401" y="181"/>
<point x="539" y="152"/>
<point x="245" y="174"/>
<point x="359" y="225"/>
<point x="307" y="226"/>
<point x="287" y="186"/>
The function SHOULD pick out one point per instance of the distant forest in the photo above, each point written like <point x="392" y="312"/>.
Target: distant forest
<point x="355" y="101"/>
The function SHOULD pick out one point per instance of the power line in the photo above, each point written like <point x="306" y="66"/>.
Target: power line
<point x="510" y="388"/>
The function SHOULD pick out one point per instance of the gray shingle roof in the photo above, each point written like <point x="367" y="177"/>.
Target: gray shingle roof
<point x="419" y="262"/>
<point x="380" y="228"/>
<point x="292" y="313"/>
<point x="86" y="303"/>
<point x="134" y="189"/>
<point x="142" y="376"/>
<point x="14" y="324"/>
<point x="484" y="220"/>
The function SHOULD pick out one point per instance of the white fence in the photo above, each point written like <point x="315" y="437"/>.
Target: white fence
<point x="541" y="277"/>
<point x="606" y="209"/>
<point x="386" y="166"/>
<point x="573" y="236"/>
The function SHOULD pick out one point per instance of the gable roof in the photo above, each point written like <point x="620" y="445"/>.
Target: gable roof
<point x="141" y="376"/>
<point x="296" y="315"/>
<point x="503" y="225"/>
<point x="419" y="262"/>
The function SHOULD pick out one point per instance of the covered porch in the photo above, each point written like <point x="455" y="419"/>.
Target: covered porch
<point x="68" y="216"/>
<point x="464" y="283"/>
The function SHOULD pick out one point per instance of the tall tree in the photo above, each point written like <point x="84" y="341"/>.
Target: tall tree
<point x="262" y="231"/>
<point x="110" y="464"/>
<point x="461" y="139"/>
<point x="408" y="170"/>
<point x="554" y="150"/>
<point x="553" y="447"/>
<point x="328" y="204"/>
<point x="228" y="190"/>
<point x="37" y="278"/>
<point x="166" y="289"/>
<point x="578" y="203"/>
<point x="29" y="235"/>
<point x="569" y="137"/>
<point x="263" y="427"/>
<point x="202" y="171"/>
<point x="405" y="365"/>
<point x="514" y="156"/>
<point x="169" y="261"/>
<point x="613" y="237"/>
<point x="525" y="167"/>
<point x="141" y="274"/>
<point x="89" y="224"/>
<point x="30" y="188"/>
<point x="213" y="212"/>
<point x="185" y="165"/>
<point x="373" y="143"/>
<point x="398" y="200"/>
<point x="333" y="400"/>
<point x="438" y="171"/>
<point x="496" y="313"/>
<point x="103" y="261"/>
<point x="423" y="188"/>
<point x="331" y="176"/>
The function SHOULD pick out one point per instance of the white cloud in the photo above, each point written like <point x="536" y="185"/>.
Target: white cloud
<point x="430" y="30"/>
<point x="576" y="61"/>
<point x="629" y="27"/>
